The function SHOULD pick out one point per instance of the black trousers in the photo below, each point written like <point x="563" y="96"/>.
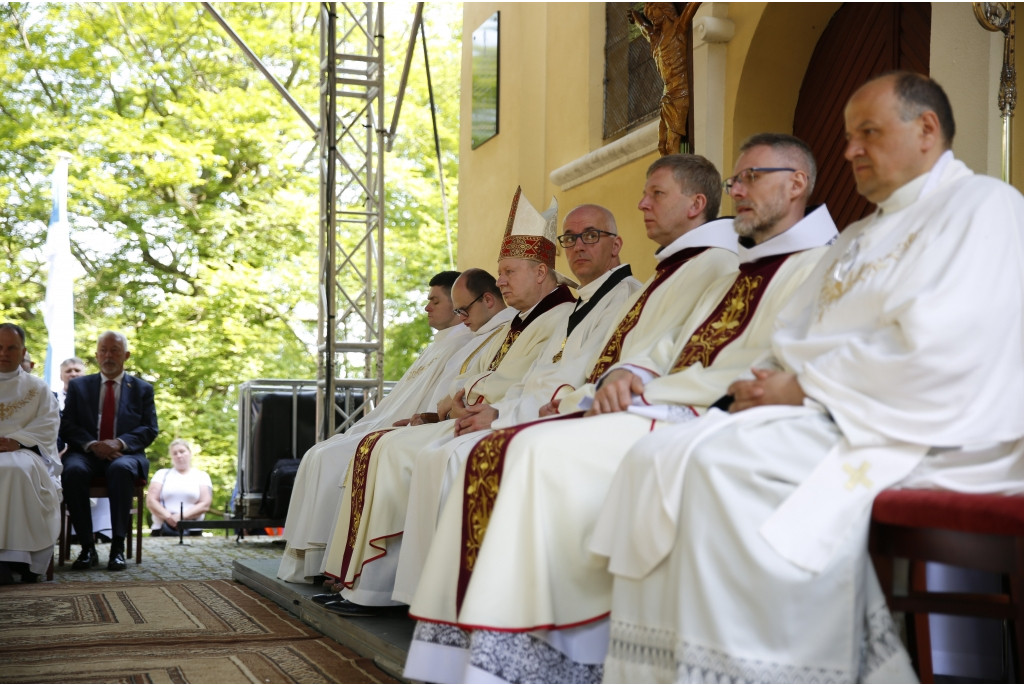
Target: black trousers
<point x="120" y="474"/>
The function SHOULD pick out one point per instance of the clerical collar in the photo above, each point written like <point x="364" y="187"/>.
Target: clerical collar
<point x="814" y="230"/>
<point x="445" y="332"/>
<point x="716" y="233"/>
<point x="8" y="375"/>
<point x="498" y="320"/>
<point x="910" y="192"/>
<point x="526" y="314"/>
<point x="587" y="291"/>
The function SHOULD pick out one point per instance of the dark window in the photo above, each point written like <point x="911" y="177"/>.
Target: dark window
<point x="632" y="85"/>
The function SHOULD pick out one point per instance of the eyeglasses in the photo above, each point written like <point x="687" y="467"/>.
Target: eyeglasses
<point x="748" y="177"/>
<point x="589" y="236"/>
<point x="464" y="311"/>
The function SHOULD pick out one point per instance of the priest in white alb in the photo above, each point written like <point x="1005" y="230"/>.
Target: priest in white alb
<point x="738" y="543"/>
<point x="316" y="494"/>
<point x="29" y="466"/>
<point x="362" y="555"/>
<point x="682" y="197"/>
<point x="529" y="496"/>
<point x="591" y="241"/>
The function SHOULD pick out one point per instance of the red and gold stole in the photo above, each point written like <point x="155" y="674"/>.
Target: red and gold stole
<point x="558" y="296"/>
<point x="613" y="348"/>
<point x="360" y="467"/>
<point x="480" y="490"/>
<point x="732" y="315"/>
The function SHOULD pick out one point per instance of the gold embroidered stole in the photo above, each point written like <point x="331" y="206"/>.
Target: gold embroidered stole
<point x="613" y="348"/>
<point x="732" y="315"/>
<point x="472" y="356"/>
<point x="556" y="297"/>
<point x="479" y="491"/>
<point x="360" y="467"/>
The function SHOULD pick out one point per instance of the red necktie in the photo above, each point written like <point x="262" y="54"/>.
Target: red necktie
<point x="109" y="410"/>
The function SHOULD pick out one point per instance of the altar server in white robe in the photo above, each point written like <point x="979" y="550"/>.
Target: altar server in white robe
<point x="363" y="552"/>
<point x="739" y="547"/>
<point x="29" y="466"/>
<point x="529" y="496"/>
<point x="682" y="193"/>
<point x="592" y="244"/>
<point x="315" y="495"/>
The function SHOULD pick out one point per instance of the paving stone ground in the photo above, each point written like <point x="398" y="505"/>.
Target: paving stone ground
<point x="200" y="558"/>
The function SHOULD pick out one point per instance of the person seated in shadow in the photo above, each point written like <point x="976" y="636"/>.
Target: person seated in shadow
<point x="178" y="493"/>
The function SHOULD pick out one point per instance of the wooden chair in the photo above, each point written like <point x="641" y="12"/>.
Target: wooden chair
<point x="98" y="488"/>
<point x="983" y="532"/>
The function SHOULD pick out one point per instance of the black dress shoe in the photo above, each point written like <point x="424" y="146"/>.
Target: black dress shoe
<point x="87" y="559"/>
<point x="116" y="562"/>
<point x="326" y="597"/>
<point x="347" y="608"/>
<point x="6" y="577"/>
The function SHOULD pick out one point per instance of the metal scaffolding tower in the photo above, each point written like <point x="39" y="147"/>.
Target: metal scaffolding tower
<point x="351" y="267"/>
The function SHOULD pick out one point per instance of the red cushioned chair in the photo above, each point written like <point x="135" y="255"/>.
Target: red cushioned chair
<point x="983" y="532"/>
<point x="98" y="488"/>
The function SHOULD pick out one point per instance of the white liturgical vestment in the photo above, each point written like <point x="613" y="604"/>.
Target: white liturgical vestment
<point x="315" y="494"/>
<point x="539" y="491"/>
<point x="563" y="364"/>
<point x="381" y="475"/>
<point x="738" y="542"/>
<point x="30" y="490"/>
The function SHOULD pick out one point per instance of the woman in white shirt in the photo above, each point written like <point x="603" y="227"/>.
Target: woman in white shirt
<point x="178" y="493"/>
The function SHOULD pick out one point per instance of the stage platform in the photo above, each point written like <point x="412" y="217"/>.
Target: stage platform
<point x="383" y="638"/>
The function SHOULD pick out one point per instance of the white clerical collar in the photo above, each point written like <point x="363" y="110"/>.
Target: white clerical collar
<point x="524" y="314"/>
<point x="587" y="291"/>
<point x="445" y="332"/>
<point x="9" y="375"/>
<point x="913" y="190"/>
<point x="715" y="233"/>
<point x="499" y="319"/>
<point x="814" y="230"/>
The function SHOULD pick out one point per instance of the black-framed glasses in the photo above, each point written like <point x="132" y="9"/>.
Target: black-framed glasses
<point x="589" y="236"/>
<point x="464" y="311"/>
<point x="748" y="177"/>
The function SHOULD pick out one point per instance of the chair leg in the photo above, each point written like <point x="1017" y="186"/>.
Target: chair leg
<point x="922" y="628"/>
<point x="1016" y="625"/>
<point x="139" y="497"/>
<point x="62" y="540"/>
<point x="49" y="569"/>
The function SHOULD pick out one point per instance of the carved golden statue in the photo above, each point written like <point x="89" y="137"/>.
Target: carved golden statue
<point x="668" y="32"/>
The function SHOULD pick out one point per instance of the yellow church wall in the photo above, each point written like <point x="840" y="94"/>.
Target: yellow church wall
<point x="551" y="106"/>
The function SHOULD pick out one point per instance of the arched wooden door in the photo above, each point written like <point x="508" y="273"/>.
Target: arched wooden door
<point x="861" y="40"/>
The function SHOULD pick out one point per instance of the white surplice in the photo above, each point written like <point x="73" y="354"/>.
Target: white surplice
<point x="30" y="490"/>
<point x="738" y="543"/>
<point x="315" y="494"/>
<point x="554" y="478"/>
<point x="562" y="365"/>
<point x="386" y="489"/>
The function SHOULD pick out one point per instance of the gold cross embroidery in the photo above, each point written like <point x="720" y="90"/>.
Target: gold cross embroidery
<point x="858" y="475"/>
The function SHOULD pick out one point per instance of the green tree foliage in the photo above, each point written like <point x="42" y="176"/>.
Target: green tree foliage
<point x="193" y="195"/>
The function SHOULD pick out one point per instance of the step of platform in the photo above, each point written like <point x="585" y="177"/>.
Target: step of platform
<point x="385" y="639"/>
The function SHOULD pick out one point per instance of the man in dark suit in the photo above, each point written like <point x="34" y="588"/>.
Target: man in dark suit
<point x="109" y="420"/>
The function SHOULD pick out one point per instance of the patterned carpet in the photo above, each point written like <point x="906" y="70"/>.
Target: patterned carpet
<point x="214" y="631"/>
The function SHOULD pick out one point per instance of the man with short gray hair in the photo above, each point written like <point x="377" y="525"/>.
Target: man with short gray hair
<point x="109" y="420"/>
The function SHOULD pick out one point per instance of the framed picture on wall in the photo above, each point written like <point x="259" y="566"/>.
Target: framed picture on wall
<point x="485" y="81"/>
